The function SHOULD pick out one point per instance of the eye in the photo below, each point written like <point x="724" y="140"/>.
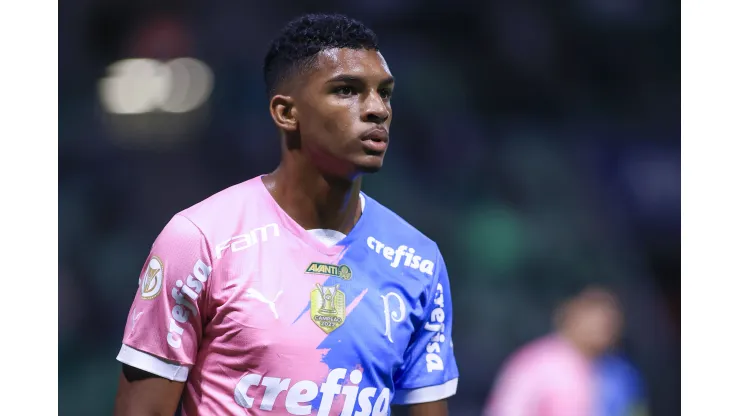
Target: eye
<point x="344" y="90"/>
<point x="386" y="93"/>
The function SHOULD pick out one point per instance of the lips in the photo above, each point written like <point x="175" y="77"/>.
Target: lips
<point x="376" y="135"/>
<point x="375" y="140"/>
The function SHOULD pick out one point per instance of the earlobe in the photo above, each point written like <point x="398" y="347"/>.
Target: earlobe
<point x="283" y="112"/>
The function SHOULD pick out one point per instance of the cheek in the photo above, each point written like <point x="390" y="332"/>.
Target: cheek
<point x="329" y="122"/>
<point x="335" y="125"/>
<point x="338" y="119"/>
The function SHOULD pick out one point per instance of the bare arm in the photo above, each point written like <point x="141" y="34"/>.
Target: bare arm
<point x="438" y="408"/>
<point x="144" y="394"/>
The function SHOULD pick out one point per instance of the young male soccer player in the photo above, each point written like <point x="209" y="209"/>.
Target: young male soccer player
<point x="294" y="293"/>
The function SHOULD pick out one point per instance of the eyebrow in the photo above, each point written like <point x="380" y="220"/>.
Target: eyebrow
<point x="354" y="79"/>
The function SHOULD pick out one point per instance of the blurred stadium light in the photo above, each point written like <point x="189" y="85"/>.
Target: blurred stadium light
<point x="138" y="86"/>
<point x="151" y="103"/>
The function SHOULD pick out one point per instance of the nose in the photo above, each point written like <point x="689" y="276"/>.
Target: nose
<point x="376" y="109"/>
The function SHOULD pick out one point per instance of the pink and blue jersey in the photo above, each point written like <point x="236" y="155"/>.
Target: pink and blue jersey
<point x="259" y="316"/>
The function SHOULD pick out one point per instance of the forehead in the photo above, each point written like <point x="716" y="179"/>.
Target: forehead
<point x="361" y="63"/>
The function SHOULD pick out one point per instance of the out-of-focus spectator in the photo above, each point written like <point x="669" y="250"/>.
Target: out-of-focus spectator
<point x="557" y="375"/>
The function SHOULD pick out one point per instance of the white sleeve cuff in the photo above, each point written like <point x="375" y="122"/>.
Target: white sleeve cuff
<point x="426" y="394"/>
<point x="152" y="364"/>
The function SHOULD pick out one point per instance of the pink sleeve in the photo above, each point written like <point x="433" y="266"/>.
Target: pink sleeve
<point x="166" y="317"/>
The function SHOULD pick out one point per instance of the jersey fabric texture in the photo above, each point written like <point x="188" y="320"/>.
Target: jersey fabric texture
<point x="259" y="316"/>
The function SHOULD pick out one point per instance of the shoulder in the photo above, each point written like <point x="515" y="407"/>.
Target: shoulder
<point x="399" y="242"/>
<point x="388" y="222"/>
<point x="546" y="354"/>
<point x="228" y="211"/>
<point x="227" y="204"/>
<point x="219" y="217"/>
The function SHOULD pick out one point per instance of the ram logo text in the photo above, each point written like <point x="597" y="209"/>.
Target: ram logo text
<point x="244" y="241"/>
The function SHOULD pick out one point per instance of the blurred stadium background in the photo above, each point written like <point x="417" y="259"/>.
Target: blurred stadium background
<point x="537" y="142"/>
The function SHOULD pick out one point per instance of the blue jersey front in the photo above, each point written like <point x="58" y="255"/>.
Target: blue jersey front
<point x="400" y="332"/>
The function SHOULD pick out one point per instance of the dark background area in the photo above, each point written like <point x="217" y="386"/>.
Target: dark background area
<point x="537" y="142"/>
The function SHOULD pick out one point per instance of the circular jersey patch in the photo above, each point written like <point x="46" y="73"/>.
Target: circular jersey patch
<point x="151" y="282"/>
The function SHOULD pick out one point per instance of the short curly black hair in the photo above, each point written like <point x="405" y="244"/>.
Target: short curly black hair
<point x="301" y="39"/>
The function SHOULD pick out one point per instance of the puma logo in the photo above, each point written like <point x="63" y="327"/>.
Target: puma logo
<point x="135" y="317"/>
<point x="255" y="294"/>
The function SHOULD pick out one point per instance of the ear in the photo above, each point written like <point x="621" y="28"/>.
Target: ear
<point x="284" y="113"/>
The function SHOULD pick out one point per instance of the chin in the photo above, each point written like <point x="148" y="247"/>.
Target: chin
<point x="368" y="169"/>
<point x="369" y="164"/>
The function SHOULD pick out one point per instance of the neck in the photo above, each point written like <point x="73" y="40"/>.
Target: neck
<point x="315" y="200"/>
